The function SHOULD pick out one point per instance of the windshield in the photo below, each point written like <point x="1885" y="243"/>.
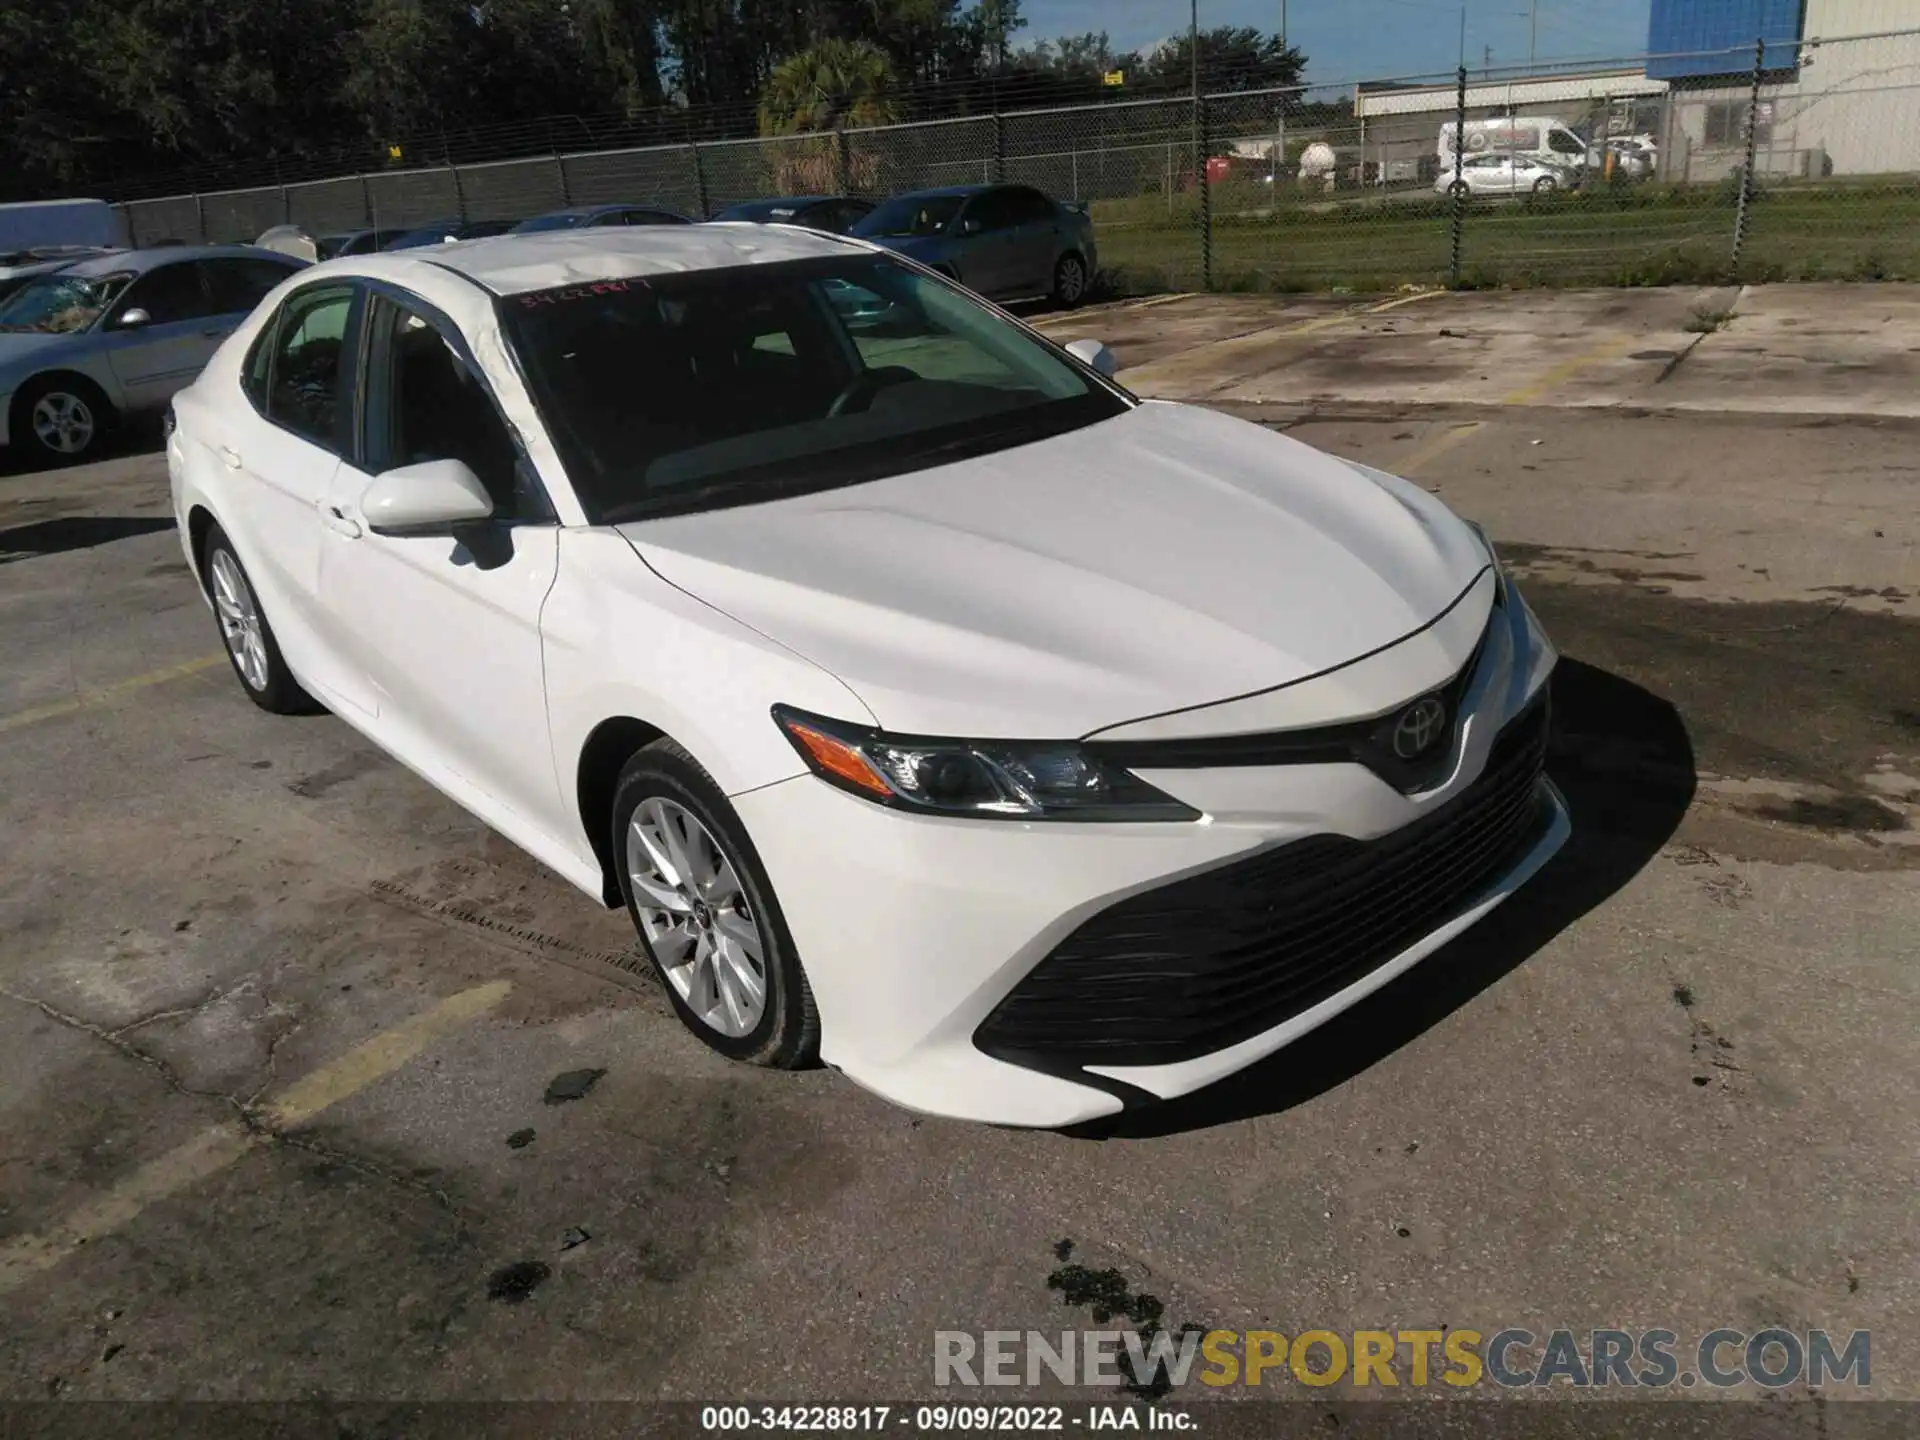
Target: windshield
<point x="675" y="393"/>
<point x="60" y="304"/>
<point x="565" y="220"/>
<point x="909" y="215"/>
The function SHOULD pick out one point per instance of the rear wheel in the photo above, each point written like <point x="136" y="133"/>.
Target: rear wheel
<point x="251" y="647"/>
<point x="1069" y="281"/>
<point x="706" y="913"/>
<point x="1459" y="190"/>
<point x="1545" y="185"/>
<point x="60" y="420"/>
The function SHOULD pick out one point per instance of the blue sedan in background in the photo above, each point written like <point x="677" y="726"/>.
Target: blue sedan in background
<point x="836" y="214"/>
<point x="583" y="217"/>
<point x="1007" y="242"/>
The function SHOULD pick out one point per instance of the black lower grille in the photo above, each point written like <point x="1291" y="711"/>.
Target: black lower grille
<point x="1210" y="961"/>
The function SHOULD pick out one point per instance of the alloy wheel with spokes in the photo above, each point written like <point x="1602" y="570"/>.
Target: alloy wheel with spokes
<point x="246" y="632"/>
<point x="696" y="917"/>
<point x="706" y="911"/>
<point x="1070" y="280"/>
<point x="64" y="423"/>
<point x="240" y="623"/>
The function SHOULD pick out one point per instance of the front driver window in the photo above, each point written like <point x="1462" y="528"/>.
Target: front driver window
<point x="430" y="406"/>
<point x="168" y="295"/>
<point x="304" y="392"/>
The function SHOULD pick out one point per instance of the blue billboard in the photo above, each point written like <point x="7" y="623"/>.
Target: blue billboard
<point x="1687" y="38"/>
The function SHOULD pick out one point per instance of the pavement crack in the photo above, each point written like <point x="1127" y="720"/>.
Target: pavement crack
<point x="373" y="1169"/>
<point x="127" y="1048"/>
<point x="1666" y="371"/>
<point x="182" y="1012"/>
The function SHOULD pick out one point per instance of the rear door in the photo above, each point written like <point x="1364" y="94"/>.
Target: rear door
<point x="1036" y="241"/>
<point x="161" y="333"/>
<point x="237" y="284"/>
<point x="282" y="449"/>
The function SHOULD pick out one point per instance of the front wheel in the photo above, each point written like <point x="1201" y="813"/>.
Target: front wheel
<point x="251" y="647"/>
<point x="1459" y="190"/>
<point x="706" y="913"/>
<point x="60" y="421"/>
<point x="1069" y="281"/>
<point x="1546" y="185"/>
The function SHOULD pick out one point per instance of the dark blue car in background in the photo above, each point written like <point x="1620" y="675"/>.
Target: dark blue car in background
<point x="835" y="214"/>
<point x="1007" y="242"/>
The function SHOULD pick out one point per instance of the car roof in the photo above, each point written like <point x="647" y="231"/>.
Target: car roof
<point x="120" y="262"/>
<point x="957" y="191"/>
<point x="515" y="264"/>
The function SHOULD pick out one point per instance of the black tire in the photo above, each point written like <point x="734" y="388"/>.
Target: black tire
<point x="1459" y="190"/>
<point x="1070" y="280"/>
<point x="1545" y="185"/>
<point x="787" y="1033"/>
<point x="273" y="687"/>
<point x="79" y="398"/>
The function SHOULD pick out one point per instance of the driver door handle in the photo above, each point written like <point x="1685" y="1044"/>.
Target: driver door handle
<point x="338" y="521"/>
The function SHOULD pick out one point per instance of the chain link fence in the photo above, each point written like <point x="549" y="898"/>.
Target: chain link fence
<point x="1746" y="168"/>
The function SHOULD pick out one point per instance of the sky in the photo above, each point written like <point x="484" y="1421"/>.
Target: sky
<point x="1347" y="40"/>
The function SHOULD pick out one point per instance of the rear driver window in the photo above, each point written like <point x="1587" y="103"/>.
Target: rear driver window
<point x="304" y="391"/>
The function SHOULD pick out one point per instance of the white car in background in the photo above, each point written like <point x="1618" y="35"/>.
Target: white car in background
<point x="935" y="707"/>
<point x="1500" y="175"/>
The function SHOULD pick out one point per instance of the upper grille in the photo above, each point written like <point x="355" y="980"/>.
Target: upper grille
<point x="1361" y="742"/>
<point x="1209" y="961"/>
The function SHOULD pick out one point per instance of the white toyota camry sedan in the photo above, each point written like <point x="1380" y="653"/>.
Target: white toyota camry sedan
<point x="936" y="708"/>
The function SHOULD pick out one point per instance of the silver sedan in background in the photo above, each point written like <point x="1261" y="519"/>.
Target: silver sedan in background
<point x="95" y="343"/>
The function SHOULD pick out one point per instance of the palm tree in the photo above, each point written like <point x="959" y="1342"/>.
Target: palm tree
<point x="834" y="85"/>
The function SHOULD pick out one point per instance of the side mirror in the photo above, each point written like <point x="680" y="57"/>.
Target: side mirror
<point x="1095" y="356"/>
<point x="971" y="225"/>
<point x="425" y="499"/>
<point x="132" y="319"/>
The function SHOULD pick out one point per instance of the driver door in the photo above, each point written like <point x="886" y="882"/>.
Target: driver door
<point x="987" y="259"/>
<point x="162" y="353"/>
<point x="447" y="626"/>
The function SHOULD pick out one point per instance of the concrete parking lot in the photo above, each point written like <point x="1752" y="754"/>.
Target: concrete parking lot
<point x="287" y="1040"/>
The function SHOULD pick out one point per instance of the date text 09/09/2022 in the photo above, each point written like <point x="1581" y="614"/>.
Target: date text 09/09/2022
<point x="939" y="1419"/>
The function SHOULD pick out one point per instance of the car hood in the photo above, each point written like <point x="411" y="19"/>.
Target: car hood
<point x="1168" y="558"/>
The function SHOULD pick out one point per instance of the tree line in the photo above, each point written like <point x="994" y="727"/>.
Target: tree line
<point x="103" y="95"/>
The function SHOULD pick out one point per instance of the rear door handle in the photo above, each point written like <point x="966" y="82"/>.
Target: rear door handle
<point x="338" y="521"/>
<point x="230" y="457"/>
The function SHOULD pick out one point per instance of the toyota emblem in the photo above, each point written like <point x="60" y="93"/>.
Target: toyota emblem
<point x="1420" y="725"/>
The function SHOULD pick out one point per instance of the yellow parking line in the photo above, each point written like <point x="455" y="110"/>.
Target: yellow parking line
<point x="218" y="1146"/>
<point x="88" y="698"/>
<point x="1547" y="380"/>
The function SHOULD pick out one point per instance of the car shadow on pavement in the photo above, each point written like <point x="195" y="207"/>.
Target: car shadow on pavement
<point x="74" y="532"/>
<point x="1623" y="759"/>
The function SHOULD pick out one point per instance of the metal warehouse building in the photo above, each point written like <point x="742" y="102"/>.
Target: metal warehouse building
<point x="1840" y="93"/>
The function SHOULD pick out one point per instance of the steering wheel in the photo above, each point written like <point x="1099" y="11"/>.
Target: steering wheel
<point x="858" y="393"/>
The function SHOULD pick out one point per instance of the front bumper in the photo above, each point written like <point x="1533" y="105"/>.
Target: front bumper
<point x="916" y="931"/>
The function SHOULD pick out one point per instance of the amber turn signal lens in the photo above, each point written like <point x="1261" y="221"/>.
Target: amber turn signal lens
<point x="836" y="757"/>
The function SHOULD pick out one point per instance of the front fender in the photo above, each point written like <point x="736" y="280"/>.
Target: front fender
<point x="620" y="641"/>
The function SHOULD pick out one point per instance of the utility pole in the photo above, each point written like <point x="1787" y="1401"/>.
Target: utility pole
<point x="1280" y="116"/>
<point x="1533" y="35"/>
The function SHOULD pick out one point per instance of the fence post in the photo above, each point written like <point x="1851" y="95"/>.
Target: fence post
<point x="366" y="201"/>
<point x="842" y="163"/>
<point x="1743" y="216"/>
<point x="200" y="217"/>
<point x="999" y="147"/>
<point x="459" y="191"/>
<point x="1458" y="189"/>
<point x="699" y="177"/>
<point x="566" y="190"/>
<point x="1201" y="145"/>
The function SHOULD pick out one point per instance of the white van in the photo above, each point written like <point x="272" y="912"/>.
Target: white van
<point x="1540" y="137"/>
<point x="29" y="225"/>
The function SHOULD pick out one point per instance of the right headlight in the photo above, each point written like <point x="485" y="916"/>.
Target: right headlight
<point x="983" y="779"/>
